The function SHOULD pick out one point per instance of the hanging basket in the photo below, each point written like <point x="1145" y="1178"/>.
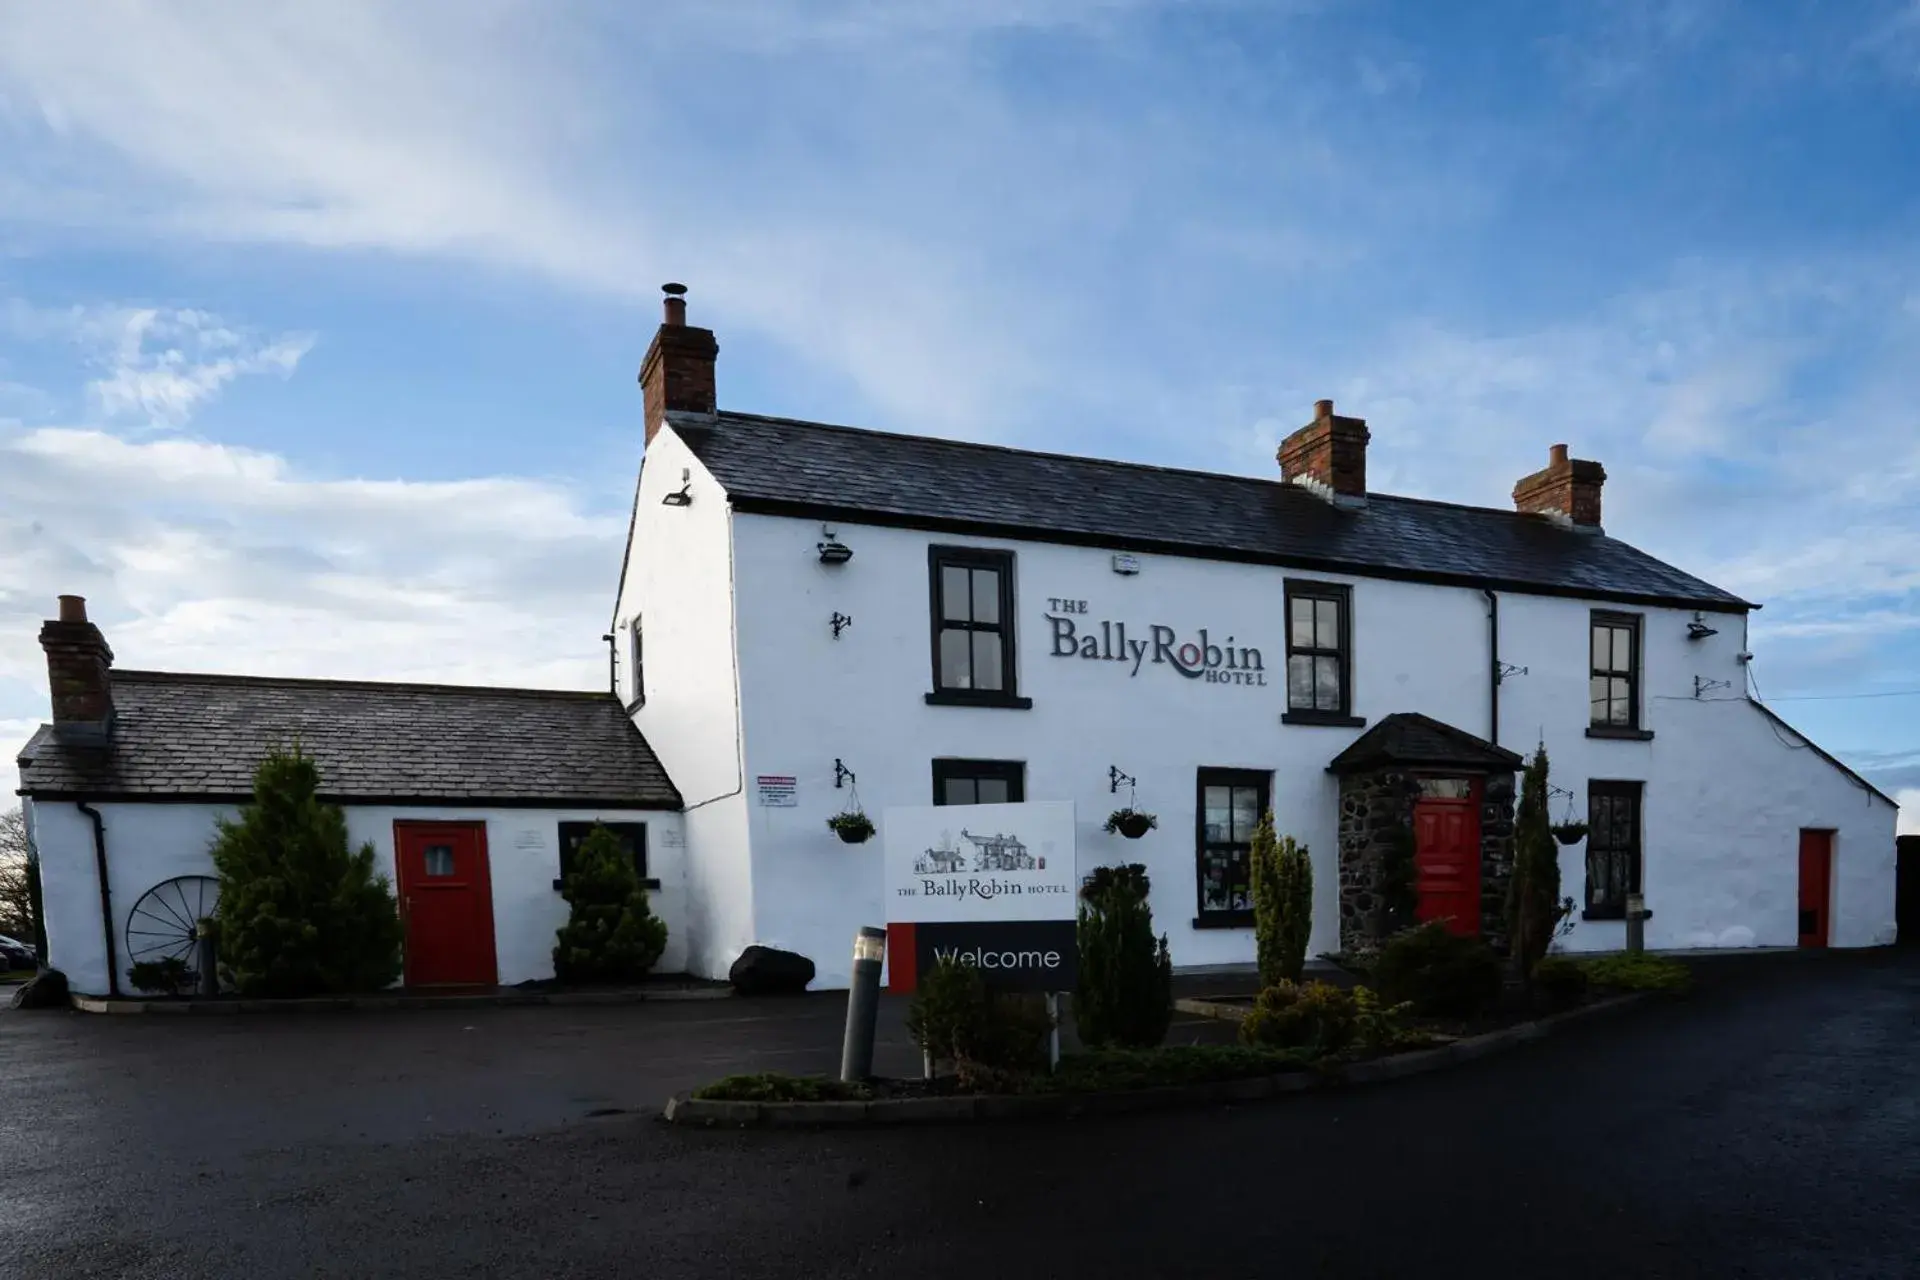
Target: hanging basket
<point x="853" y="827"/>
<point x="1569" y="832"/>
<point x="1131" y="823"/>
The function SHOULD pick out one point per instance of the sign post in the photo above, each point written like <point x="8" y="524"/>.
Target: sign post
<point x="990" y="885"/>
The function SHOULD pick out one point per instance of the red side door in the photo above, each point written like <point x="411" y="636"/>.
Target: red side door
<point x="1446" y="862"/>
<point x="446" y="899"/>
<point x="1816" y="879"/>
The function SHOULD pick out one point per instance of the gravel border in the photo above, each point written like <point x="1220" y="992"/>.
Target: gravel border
<point x="338" y="1004"/>
<point x="683" y="1109"/>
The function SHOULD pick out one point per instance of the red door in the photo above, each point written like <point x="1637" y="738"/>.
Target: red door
<point x="1446" y="862"/>
<point x="1816" y="877"/>
<point x="446" y="899"/>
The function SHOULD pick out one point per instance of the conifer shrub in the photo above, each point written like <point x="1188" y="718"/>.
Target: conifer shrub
<point x="1282" y="904"/>
<point x="611" y="933"/>
<point x="301" y="912"/>
<point x="1533" y="894"/>
<point x="1125" y="991"/>
<point x="1440" y="973"/>
<point x="1315" y="1016"/>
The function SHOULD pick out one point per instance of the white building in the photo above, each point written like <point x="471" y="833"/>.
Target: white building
<point x="809" y="613"/>
<point x="962" y="622"/>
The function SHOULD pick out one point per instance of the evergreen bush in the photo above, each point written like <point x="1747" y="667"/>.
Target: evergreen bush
<point x="1125" y="992"/>
<point x="1440" y="973"/>
<point x="611" y="933"/>
<point x="301" y="912"/>
<point x="1533" y="895"/>
<point x="1315" y="1016"/>
<point x="1282" y="904"/>
<point x="990" y="1038"/>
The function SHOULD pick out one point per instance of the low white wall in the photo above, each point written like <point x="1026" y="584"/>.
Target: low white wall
<point x="149" y="843"/>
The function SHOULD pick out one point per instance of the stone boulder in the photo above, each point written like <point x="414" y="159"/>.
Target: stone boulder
<point x="768" y="971"/>
<point x="46" y="990"/>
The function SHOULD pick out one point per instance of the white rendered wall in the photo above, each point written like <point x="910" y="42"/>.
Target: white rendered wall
<point x="1724" y="799"/>
<point x="149" y="843"/>
<point x="680" y="578"/>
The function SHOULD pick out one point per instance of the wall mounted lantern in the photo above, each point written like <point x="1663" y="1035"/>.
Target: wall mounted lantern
<point x="832" y="550"/>
<point x="683" y="497"/>
<point x="1698" y="628"/>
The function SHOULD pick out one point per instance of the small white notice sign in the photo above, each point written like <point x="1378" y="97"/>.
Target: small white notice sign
<point x="778" y="790"/>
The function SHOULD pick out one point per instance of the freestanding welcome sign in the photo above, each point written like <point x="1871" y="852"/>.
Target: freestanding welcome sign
<point x="990" y="885"/>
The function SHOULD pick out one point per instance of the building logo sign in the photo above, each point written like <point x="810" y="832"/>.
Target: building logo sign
<point x="1199" y="657"/>
<point x="990" y="885"/>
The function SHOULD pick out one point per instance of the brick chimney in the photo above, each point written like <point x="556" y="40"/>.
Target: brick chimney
<point x="78" y="665"/>
<point x="677" y="375"/>
<point x="1567" y="492"/>
<point x="1328" y="456"/>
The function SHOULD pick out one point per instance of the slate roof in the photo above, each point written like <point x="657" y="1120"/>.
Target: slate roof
<point x="179" y="736"/>
<point x="782" y="466"/>
<point x="1411" y="740"/>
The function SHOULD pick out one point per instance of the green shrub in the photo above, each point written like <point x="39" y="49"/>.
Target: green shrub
<point x="301" y="912"/>
<point x="1638" y="971"/>
<point x="774" y="1086"/>
<point x="611" y="934"/>
<point x="1125" y="990"/>
<point x="987" y="1036"/>
<point x="1561" y="981"/>
<point x="1533" y="894"/>
<point x="1440" y="973"/>
<point x="169" y="976"/>
<point x="1378" y="1025"/>
<point x="1282" y="904"/>
<point x="1315" y="1016"/>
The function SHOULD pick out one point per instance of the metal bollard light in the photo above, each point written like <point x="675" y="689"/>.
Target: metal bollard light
<point x="863" y="1004"/>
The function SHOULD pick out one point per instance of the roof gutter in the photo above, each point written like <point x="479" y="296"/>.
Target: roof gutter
<point x="106" y="895"/>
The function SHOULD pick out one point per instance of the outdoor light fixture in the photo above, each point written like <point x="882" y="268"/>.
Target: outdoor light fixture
<point x="683" y="497"/>
<point x="1126" y="564"/>
<point x="832" y="550"/>
<point x="1699" y="630"/>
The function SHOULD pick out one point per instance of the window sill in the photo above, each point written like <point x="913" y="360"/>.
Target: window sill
<point x="1224" y="920"/>
<point x="1620" y="733"/>
<point x="649" y="885"/>
<point x="1611" y="913"/>
<point x="1329" y="719"/>
<point x="973" y="698"/>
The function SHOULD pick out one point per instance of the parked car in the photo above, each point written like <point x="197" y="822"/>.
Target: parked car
<point x="15" y="954"/>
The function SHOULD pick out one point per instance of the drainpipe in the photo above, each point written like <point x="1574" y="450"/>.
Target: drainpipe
<point x="106" y="895"/>
<point x="1493" y="684"/>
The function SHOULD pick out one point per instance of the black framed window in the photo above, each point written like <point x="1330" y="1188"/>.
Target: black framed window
<point x="979" y="782"/>
<point x="971" y="598"/>
<point x="1319" y="653"/>
<point x="1613" y="684"/>
<point x="1613" y="847"/>
<point x="637" y="651"/>
<point x="632" y="837"/>
<point x="1228" y="806"/>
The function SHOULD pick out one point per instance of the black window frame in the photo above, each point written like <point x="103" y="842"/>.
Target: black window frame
<point x="997" y="561"/>
<point x="1600" y="844"/>
<point x="1262" y="781"/>
<point x="1340" y="594"/>
<point x="952" y="769"/>
<point x="634" y="833"/>
<point x="637" y="657"/>
<point x="1634" y="624"/>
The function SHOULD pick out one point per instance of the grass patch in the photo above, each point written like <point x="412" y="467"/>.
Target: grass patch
<point x="775" y="1086"/>
<point x="1112" y="1070"/>
<point x="1641" y="971"/>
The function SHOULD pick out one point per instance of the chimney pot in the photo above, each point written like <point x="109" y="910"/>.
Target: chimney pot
<point x="73" y="608"/>
<point x="1557" y="456"/>
<point x="1322" y="409"/>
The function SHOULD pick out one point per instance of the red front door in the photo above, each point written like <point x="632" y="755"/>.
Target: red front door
<point x="1816" y="875"/>
<point x="1446" y="861"/>
<point x="446" y="899"/>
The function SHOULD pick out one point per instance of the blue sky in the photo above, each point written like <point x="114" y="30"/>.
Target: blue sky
<point x="319" y="323"/>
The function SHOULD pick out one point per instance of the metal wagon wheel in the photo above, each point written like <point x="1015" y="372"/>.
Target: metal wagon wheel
<point x="165" y="922"/>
